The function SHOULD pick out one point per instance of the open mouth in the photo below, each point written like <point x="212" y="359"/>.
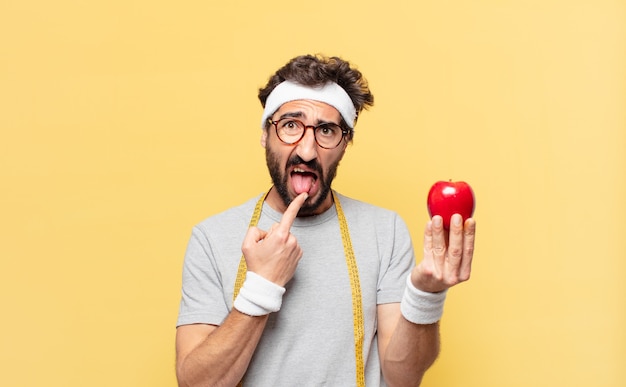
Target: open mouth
<point x="302" y="180"/>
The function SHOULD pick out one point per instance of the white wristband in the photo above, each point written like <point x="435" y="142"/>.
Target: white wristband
<point x="421" y="307"/>
<point x="258" y="296"/>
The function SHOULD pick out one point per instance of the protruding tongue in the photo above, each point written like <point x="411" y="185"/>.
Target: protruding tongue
<point x="302" y="182"/>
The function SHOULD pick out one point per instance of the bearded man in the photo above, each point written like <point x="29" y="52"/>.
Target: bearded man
<point x="302" y="285"/>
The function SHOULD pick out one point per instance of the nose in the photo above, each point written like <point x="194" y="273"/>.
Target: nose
<point x="307" y="146"/>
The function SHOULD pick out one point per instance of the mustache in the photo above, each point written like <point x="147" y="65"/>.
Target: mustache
<point x="312" y="164"/>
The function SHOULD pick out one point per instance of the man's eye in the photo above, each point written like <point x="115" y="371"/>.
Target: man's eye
<point x="327" y="130"/>
<point x="289" y="125"/>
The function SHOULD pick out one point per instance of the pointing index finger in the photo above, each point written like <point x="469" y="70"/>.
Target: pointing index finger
<point x="292" y="211"/>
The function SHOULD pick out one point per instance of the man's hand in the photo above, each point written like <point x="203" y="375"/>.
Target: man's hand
<point x="275" y="254"/>
<point x="447" y="258"/>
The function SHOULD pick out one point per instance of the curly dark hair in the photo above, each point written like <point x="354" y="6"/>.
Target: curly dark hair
<point x="316" y="70"/>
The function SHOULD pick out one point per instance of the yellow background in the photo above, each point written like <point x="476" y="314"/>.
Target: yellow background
<point x="124" y="123"/>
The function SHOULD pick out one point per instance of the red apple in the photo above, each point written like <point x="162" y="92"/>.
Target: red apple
<point x="446" y="198"/>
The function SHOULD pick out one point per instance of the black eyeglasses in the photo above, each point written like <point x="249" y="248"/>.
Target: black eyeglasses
<point x="291" y="131"/>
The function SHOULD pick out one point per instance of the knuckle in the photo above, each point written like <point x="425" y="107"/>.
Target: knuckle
<point x="435" y="275"/>
<point x="281" y="233"/>
<point x="455" y="252"/>
<point x="246" y="247"/>
<point x="438" y="250"/>
<point x="457" y="231"/>
<point x="429" y="272"/>
<point x="451" y="278"/>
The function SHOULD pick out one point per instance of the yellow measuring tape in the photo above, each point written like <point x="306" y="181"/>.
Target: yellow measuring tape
<point x="355" y="285"/>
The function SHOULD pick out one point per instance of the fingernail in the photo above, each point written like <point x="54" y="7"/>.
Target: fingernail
<point x="437" y="221"/>
<point x="456" y="219"/>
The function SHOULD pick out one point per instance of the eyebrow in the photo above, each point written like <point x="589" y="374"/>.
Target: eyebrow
<point x="292" y="115"/>
<point x="299" y="114"/>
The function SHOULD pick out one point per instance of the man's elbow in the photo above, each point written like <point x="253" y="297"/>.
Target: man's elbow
<point x="407" y="373"/>
<point x="180" y="374"/>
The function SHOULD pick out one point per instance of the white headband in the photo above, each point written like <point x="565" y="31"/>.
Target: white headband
<point x="331" y="93"/>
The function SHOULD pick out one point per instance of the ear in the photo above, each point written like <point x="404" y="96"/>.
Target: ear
<point x="264" y="138"/>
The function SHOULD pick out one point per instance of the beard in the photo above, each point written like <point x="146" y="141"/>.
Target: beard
<point x="279" y="179"/>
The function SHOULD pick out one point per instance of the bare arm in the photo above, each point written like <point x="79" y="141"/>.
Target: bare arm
<point x="208" y="355"/>
<point x="406" y="349"/>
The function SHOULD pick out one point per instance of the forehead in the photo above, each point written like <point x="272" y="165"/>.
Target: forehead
<point x="311" y="109"/>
